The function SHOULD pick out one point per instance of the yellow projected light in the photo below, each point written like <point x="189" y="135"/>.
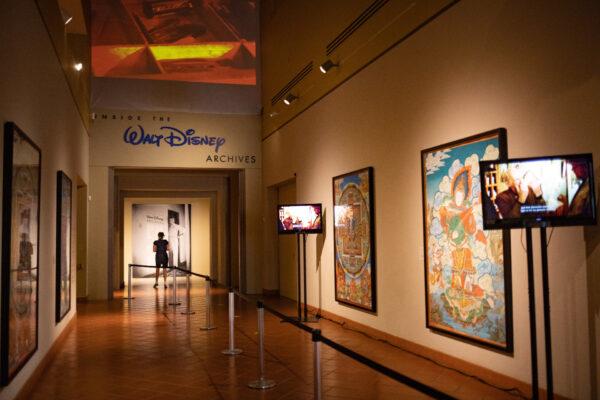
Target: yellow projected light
<point x="182" y="52"/>
<point x="123" y="51"/>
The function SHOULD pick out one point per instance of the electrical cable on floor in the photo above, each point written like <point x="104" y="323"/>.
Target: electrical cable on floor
<point x="512" y="391"/>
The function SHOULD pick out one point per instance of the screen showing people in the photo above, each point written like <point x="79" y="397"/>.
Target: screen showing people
<point x="538" y="192"/>
<point x="299" y="218"/>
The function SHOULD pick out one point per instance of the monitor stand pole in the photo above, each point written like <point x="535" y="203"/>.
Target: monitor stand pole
<point x="547" y="333"/>
<point x="306" y="318"/>
<point x="299" y="297"/>
<point x="532" y="324"/>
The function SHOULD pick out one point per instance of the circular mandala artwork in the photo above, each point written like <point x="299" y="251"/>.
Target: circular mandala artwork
<point x="352" y="231"/>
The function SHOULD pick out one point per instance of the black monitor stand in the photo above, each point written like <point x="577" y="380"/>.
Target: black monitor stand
<point x="532" y="318"/>
<point x="302" y="289"/>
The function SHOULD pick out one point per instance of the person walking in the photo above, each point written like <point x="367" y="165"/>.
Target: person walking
<point x="161" y="248"/>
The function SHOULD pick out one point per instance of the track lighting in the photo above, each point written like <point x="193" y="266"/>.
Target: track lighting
<point x="78" y="66"/>
<point x="327" y="65"/>
<point x="289" y="99"/>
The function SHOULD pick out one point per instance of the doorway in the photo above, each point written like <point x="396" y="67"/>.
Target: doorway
<point x="287" y="250"/>
<point x="81" y="271"/>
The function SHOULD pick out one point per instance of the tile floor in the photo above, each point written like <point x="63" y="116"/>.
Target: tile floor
<point x="150" y="351"/>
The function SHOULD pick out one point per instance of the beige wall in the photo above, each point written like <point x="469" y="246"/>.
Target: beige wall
<point x="35" y="95"/>
<point x="531" y="67"/>
<point x="108" y="150"/>
<point x="200" y="230"/>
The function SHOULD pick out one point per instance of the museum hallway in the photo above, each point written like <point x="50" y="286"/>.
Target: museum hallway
<point x="150" y="352"/>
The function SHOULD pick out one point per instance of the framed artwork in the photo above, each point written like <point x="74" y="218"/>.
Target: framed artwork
<point x="20" y="251"/>
<point x="64" y="193"/>
<point x="467" y="269"/>
<point x="354" y="239"/>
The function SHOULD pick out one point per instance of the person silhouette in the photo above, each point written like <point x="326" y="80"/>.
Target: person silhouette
<point x="161" y="248"/>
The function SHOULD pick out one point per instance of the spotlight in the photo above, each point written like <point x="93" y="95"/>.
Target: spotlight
<point x="78" y="66"/>
<point x="273" y="114"/>
<point x="327" y="65"/>
<point x="289" y="99"/>
<point x="66" y="16"/>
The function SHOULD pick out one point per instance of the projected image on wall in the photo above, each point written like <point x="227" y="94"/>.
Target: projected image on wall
<point x="150" y="219"/>
<point x="209" y="41"/>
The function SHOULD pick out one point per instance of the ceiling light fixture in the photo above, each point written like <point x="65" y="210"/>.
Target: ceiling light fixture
<point x="289" y="99"/>
<point x="327" y="65"/>
<point x="66" y="16"/>
<point x="78" y="66"/>
<point x="273" y="114"/>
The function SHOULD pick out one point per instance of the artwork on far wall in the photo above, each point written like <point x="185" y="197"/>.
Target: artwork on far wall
<point x="467" y="269"/>
<point x="63" y="244"/>
<point x="174" y="220"/>
<point x="354" y="239"/>
<point x="20" y="251"/>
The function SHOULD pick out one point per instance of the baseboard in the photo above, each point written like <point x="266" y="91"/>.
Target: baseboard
<point x="466" y="367"/>
<point x="270" y="292"/>
<point x="29" y="385"/>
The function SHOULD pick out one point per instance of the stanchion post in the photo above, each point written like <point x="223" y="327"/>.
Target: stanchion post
<point x="261" y="382"/>
<point x="129" y="279"/>
<point x="174" y="301"/>
<point x="231" y="351"/>
<point x="316" y="338"/>
<point x="188" y="310"/>
<point x="208" y="324"/>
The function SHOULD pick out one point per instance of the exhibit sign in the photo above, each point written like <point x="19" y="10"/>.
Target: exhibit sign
<point x="20" y="251"/>
<point x="174" y="140"/>
<point x="467" y="268"/>
<point x="354" y="239"/>
<point x="174" y="221"/>
<point x="64" y="195"/>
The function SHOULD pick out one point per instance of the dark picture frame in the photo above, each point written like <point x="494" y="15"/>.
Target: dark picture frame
<point x="468" y="288"/>
<point x="354" y="239"/>
<point x="20" y="251"/>
<point x="64" y="199"/>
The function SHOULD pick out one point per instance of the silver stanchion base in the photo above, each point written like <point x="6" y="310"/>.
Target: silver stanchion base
<point x="262" y="384"/>
<point x="207" y="328"/>
<point x="232" y="352"/>
<point x="188" y="312"/>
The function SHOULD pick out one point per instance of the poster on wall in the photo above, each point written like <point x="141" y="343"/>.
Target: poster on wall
<point x="354" y="239"/>
<point x="467" y="269"/>
<point x="20" y="251"/>
<point x="174" y="220"/>
<point x="63" y="245"/>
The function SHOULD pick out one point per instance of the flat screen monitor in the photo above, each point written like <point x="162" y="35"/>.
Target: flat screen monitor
<point x="299" y="218"/>
<point x="538" y="192"/>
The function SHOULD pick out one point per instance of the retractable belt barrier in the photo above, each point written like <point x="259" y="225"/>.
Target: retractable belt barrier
<point x="317" y="339"/>
<point x="208" y="322"/>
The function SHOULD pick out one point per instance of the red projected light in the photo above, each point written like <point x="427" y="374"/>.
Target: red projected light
<point x="213" y="41"/>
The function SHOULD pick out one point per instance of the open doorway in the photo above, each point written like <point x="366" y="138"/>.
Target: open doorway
<point x="81" y="271"/>
<point x="287" y="251"/>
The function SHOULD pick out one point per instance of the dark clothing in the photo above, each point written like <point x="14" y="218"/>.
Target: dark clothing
<point x="162" y="257"/>
<point x="509" y="206"/>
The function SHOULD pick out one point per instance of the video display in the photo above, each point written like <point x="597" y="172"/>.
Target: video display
<point x="548" y="191"/>
<point x="208" y="41"/>
<point x="299" y="218"/>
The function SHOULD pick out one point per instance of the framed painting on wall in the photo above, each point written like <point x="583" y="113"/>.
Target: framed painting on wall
<point x="64" y="193"/>
<point x="20" y="251"/>
<point x="467" y="269"/>
<point x="354" y="239"/>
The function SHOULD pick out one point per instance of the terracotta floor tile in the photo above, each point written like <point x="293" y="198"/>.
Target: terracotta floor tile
<point x="150" y="351"/>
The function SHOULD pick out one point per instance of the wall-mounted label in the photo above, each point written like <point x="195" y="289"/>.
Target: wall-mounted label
<point x="171" y="136"/>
